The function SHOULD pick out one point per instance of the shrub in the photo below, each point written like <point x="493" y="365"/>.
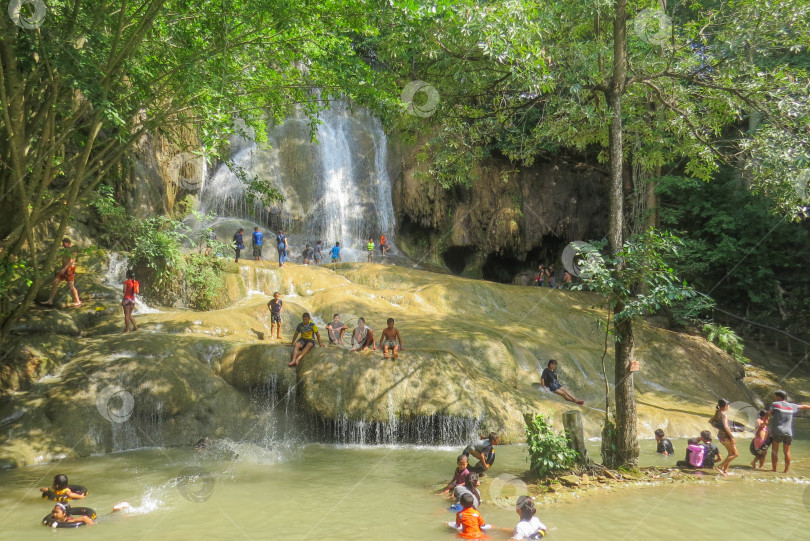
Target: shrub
<point x="204" y="281"/>
<point x="157" y="247"/>
<point x="548" y="452"/>
<point x="726" y="339"/>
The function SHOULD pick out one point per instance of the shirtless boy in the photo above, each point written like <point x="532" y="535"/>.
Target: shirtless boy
<point x="66" y="274"/>
<point x="390" y="337"/>
<point x="275" y="306"/>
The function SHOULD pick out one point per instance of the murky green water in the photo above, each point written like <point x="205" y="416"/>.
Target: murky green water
<point x="330" y="492"/>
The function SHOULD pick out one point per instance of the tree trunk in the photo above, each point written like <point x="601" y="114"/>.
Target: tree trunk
<point x="626" y="442"/>
<point x="626" y="439"/>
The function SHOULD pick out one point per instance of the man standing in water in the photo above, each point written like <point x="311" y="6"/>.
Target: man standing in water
<point x="66" y="274"/>
<point x="780" y="415"/>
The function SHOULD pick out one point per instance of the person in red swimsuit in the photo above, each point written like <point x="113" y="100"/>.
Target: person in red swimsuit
<point x="131" y="288"/>
<point x="66" y="274"/>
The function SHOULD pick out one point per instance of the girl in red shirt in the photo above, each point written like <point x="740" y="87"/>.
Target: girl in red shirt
<point x="131" y="288"/>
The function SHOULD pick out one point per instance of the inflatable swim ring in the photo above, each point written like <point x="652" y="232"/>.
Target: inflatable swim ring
<point x="51" y="522"/>
<point x="53" y="496"/>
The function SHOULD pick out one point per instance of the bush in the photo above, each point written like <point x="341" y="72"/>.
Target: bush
<point x="726" y="339"/>
<point x="204" y="281"/>
<point x="114" y="228"/>
<point x="157" y="247"/>
<point x="548" y="452"/>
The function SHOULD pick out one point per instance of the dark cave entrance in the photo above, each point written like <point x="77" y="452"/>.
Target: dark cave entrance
<point x="457" y="257"/>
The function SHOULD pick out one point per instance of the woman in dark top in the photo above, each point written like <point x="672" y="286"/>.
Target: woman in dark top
<point x="238" y="243"/>
<point x="724" y="433"/>
<point x="549" y="379"/>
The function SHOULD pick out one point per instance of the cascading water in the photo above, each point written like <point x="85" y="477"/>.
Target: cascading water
<point x="337" y="189"/>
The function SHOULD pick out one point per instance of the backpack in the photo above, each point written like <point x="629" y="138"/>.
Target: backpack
<point x="696" y="453"/>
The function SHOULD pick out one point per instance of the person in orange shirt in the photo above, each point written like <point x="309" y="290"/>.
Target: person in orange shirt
<point x="131" y="288"/>
<point x="384" y="248"/>
<point x="469" y="521"/>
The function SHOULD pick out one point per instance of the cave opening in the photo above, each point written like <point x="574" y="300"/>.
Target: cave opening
<point x="457" y="257"/>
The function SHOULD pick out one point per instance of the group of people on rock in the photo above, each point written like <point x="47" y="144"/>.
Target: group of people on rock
<point x="773" y="427"/>
<point x="463" y="490"/>
<point x="546" y="277"/>
<point x="362" y="336"/>
<point x="310" y="255"/>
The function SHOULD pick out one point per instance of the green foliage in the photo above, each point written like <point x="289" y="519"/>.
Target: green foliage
<point x="726" y="339"/>
<point x="548" y="452"/>
<point x="638" y="279"/>
<point x="158" y="248"/>
<point x="114" y="228"/>
<point x="737" y="246"/>
<point x="257" y="191"/>
<point x="204" y="281"/>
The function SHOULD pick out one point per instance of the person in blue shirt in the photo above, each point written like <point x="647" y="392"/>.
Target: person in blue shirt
<point x="336" y="252"/>
<point x="258" y="238"/>
<point x="281" y="241"/>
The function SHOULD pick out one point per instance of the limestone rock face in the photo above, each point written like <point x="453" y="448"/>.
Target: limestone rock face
<point x="473" y="352"/>
<point x="531" y="213"/>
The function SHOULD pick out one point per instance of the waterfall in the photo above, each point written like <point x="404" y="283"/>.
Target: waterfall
<point x="337" y="189"/>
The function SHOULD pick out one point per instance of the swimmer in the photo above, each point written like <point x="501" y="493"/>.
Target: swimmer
<point x="761" y="442"/>
<point x="305" y="344"/>
<point x="459" y="476"/>
<point x="60" y="491"/>
<point x="201" y="445"/>
<point x="529" y="526"/>
<point x="664" y="445"/>
<point x="469" y="521"/>
<point x="390" y="337"/>
<point x="470" y="486"/>
<point x="61" y="513"/>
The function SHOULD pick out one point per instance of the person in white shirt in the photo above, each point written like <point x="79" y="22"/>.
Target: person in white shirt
<point x="529" y="526"/>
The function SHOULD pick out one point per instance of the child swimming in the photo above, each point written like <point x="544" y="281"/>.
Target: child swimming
<point x="459" y="476"/>
<point x="61" y="492"/>
<point x="469" y="521"/>
<point x="60" y="515"/>
<point x="470" y="486"/>
<point x="529" y="526"/>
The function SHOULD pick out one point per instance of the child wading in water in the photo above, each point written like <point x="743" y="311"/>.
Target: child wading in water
<point x="529" y="526"/>
<point x="469" y="521"/>
<point x="459" y="476"/>
<point x="275" y="306"/>
<point x="131" y="288"/>
<point x="761" y="442"/>
<point x="390" y="337"/>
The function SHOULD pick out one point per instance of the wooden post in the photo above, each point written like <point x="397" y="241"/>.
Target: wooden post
<point x="572" y="421"/>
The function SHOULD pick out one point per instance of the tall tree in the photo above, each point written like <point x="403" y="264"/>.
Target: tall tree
<point x="640" y="83"/>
